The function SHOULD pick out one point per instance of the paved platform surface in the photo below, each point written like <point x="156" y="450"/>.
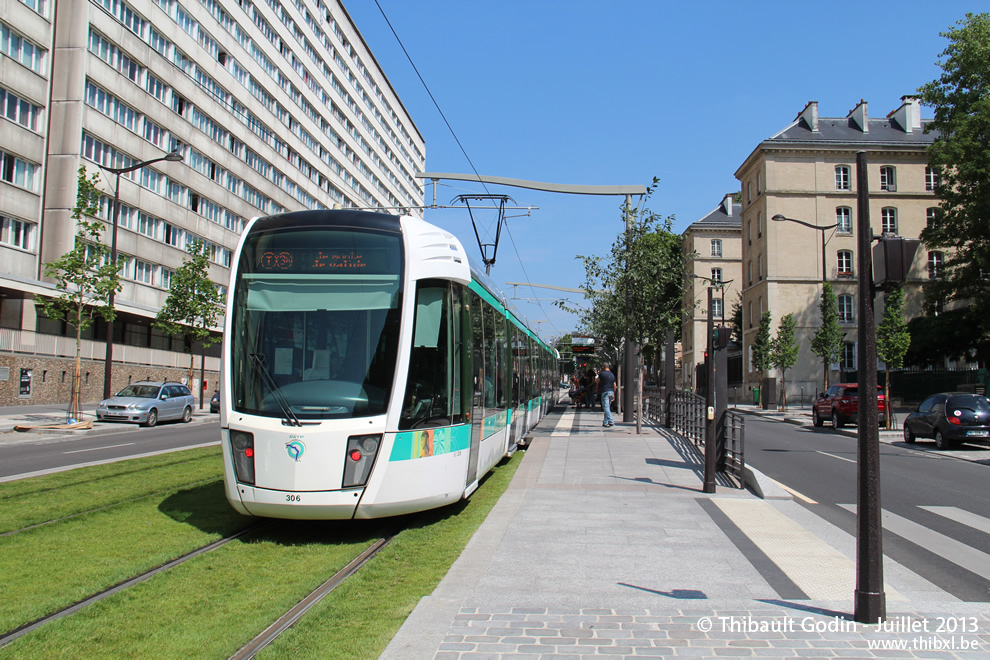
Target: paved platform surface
<point x="605" y="546"/>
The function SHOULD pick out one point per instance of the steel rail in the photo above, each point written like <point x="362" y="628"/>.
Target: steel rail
<point x="9" y="637"/>
<point x="289" y="619"/>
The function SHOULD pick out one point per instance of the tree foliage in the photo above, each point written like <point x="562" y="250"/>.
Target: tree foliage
<point x="643" y="272"/>
<point x="784" y="353"/>
<point x="763" y="349"/>
<point x="85" y="275"/>
<point x="827" y="342"/>
<point x="959" y="155"/>
<point x="194" y="304"/>
<point x="893" y="338"/>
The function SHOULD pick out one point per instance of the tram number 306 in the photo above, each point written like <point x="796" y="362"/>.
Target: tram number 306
<point x="293" y="498"/>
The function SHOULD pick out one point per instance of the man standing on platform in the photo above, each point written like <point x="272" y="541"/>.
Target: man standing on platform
<point x="606" y="386"/>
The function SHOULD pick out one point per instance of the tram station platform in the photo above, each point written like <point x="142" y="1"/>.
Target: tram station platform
<point x="605" y="545"/>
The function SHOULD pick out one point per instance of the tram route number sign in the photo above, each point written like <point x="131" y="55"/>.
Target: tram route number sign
<point x="323" y="260"/>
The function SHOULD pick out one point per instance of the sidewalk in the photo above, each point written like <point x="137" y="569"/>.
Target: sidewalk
<point x="604" y="545"/>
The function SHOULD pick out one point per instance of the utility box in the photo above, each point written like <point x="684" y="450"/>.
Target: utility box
<point x="892" y="259"/>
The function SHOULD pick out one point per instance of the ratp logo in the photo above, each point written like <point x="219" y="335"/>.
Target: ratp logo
<point x="295" y="449"/>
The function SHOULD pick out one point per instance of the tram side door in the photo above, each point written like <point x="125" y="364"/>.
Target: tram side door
<point x="477" y="384"/>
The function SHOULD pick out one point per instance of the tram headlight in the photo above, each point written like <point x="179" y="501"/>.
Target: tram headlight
<point x="360" y="458"/>
<point x="242" y="449"/>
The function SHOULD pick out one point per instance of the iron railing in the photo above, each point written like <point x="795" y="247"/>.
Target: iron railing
<point x="735" y="442"/>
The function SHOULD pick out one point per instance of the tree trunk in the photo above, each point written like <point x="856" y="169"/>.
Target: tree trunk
<point x="192" y="366"/>
<point x="783" y="390"/>
<point x="75" y="411"/>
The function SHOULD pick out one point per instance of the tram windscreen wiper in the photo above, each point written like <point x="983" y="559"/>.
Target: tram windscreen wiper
<point x="289" y="418"/>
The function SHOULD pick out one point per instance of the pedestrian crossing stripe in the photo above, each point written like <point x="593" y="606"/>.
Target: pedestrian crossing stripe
<point x="961" y="516"/>
<point x="818" y="569"/>
<point x="948" y="548"/>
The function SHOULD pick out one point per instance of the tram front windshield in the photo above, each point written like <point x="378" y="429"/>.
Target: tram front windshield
<point x="315" y="323"/>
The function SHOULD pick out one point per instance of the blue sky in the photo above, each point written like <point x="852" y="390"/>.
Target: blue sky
<point x="607" y="93"/>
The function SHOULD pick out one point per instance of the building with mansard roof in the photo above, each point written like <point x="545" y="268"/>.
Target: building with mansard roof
<point x="807" y="172"/>
<point x="275" y="106"/>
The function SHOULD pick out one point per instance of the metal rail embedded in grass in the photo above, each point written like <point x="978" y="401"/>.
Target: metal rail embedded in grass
<point x="289" y="619"/>
<point x="7" y="638"/>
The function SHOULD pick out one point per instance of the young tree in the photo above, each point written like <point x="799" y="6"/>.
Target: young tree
<point x="85" y="276"/>
<point x="893" y="340"/>
<point x="961" y="101"/>
<point x="194" y="304"/>
<point x="763" y="350"/>
<point x="827" y="342"/>
<point x="736" y="320"/>
<point x="636" y="292"/>
<point x="784" y="353"/>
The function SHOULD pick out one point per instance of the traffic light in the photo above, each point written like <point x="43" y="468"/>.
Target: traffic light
<point x="720" y="337"/>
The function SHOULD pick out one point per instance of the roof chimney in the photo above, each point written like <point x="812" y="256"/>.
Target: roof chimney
<point x="908" y="116"/>
<point x="727" y="203"/>
<point x="860" y="116"/>
<point x="810" y="115"/>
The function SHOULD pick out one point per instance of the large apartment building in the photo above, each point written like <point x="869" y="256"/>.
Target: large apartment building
<point x="713" y="249"/>
<point x="807" y="172"/>
<point x="275" y="105"/>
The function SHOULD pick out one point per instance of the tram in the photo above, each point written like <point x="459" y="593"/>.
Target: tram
<point x="368" y="369"/>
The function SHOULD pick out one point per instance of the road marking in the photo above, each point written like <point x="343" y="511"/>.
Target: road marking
<point x="818" y="569"/>
<point x="795" y="493"/>
<point x="79" y="451"/>
<point x="961" y="516"/>
<point x="944" y="546"/>
<point x="566" y="418"/>
<point x="841" y="458"/>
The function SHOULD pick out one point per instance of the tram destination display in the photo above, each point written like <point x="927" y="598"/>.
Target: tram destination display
<point x="324" y="260"/>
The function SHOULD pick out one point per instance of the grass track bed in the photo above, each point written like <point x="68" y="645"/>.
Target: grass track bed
<point x="38" y="500"/>
<point x="213" y="604"/>
<point x="48" y="568"/>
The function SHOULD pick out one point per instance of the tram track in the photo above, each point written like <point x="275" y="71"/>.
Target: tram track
<point x="287" y="620"/>
<point x="11" y="636"/>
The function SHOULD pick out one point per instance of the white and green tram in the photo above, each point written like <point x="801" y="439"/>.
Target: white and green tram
<point x="368" y="369"/>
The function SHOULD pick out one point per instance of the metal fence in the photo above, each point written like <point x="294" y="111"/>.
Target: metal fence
<point x="687" y="418"/>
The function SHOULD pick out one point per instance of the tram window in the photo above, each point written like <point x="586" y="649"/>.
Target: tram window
<point x="460" y="396"/>
<point x="478" y="342"/>
<point x="428" y="387"/>
<point x="501" y="393"/>
<point x="491" y="358"/>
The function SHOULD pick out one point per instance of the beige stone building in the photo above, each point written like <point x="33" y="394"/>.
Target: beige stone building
<point x="714" y="248"/>
<point x="807" y="172"/>
<point x="274" y="105"/>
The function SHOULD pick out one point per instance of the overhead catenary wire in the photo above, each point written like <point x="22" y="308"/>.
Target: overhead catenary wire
<point x="457" y="140"/>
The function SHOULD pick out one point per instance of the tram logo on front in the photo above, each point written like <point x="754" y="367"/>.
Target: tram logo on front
<point x="295" y="449"/>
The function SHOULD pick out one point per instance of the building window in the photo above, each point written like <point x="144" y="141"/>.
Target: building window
<point x="759" y="225"/>
<point x="842" y="177"/>
<point x="931" y="179"/>
<point x="848" y="357"/>
<point x="888" y="220"/>
<point x="845" y="262"/>
<point x="932" y="215"/>
<point x="20" y="49"/>
<point x="888" y="179"/>
<point x="749" y="314"/>
<point x="716" y="247"/>
<point x="759" y="266"/>
<point x="843" y="220"/>
<point x="144" y="272"/>
<point x="18" y="172"/>
<point x="16" y="233"/>
<point x="19" y="110"/>
<point x="750" y="269"/>
<point x="717" y="308"/>
<point x="845" y="305"/>
<point x="749" y="232"/>
<point x="936" y="260"/>
<point x="716" y="274"/>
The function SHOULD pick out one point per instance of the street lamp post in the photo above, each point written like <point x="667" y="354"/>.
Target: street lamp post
<point x="822" y="229"/>
<point x="174" y="156"/>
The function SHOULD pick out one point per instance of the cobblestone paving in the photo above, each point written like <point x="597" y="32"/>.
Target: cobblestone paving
<point x="546" y="633"/>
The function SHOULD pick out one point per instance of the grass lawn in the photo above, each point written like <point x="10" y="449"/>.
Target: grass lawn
<point x="37" y="500"/>
<point x="215" y="603"/>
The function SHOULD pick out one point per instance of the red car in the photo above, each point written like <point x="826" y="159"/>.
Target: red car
<point x="840" y="404"/>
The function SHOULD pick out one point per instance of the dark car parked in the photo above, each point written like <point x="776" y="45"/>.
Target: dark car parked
<point x="840" y="403"/>
<point x="215" y="402"/>
<point x="950" y="418"/>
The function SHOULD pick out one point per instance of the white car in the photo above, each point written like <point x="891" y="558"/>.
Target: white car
<point x="147" y="403"/>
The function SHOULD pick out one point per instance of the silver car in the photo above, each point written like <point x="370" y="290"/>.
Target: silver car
<point x="147" y="403"/>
